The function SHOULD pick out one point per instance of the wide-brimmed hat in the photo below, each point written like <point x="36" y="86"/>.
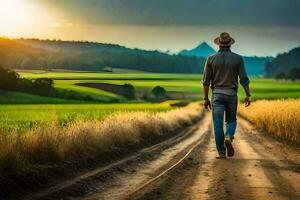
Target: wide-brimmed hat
<point x="224" y="40"/>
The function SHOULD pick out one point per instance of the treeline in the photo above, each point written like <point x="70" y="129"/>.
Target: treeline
<point x="74" y="55"/>
<point x="11" y="81"/>
<point x="285" y="66"/>
<point x="256" y="65"/>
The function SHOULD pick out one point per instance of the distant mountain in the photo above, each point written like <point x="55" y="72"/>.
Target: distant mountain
<point x="203" y="50"/>
<point x="254" y="65"/>
<point x="284" y="64"/>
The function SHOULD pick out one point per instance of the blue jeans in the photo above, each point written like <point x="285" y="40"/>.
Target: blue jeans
<point x="223" y="103"/>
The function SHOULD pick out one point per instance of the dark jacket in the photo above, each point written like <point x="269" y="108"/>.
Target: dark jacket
<point x="222" y="71"/>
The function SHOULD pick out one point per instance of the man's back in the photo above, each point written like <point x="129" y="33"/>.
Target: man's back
<point x="222" y="71"/>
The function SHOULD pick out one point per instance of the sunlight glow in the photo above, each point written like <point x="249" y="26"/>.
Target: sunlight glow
<point x="25" y="18"/>
<point x="13" y="13"/>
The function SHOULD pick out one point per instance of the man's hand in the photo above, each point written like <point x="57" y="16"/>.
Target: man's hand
<point x="247" y="101"/>
<point x="207" y="104"/>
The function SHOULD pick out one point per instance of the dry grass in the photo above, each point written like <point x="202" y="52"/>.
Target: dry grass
<point x="54" y="144"/>
<point x="279" y="117"/>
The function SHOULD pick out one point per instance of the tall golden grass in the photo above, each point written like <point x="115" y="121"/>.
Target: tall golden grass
<point x="278" y="117"/>
<point x="54" y="144"/>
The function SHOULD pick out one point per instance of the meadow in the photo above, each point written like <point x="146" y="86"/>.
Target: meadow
<point x="22" y="112"/>
<point x="187" y="86"/>
<point x="21" y="118"/>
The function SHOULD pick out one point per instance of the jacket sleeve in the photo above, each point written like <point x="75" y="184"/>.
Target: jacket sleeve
<point x="207" y="73"/>
<point x="244" y="79"/>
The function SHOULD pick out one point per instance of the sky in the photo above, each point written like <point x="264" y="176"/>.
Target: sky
<point x="259" y="27"/>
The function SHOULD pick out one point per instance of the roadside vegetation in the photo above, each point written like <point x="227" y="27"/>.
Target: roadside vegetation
<point x="51" y="144"/>
<point x="280" y="118"/>
<point x="22" y="118"/>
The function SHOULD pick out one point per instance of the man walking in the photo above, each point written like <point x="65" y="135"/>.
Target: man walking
<point x="222" y="71"/>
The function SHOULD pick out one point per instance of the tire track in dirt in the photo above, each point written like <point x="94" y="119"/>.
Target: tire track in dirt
<point x="254" y="172"/>
<point x="263" y="168"/>
<point x="174" y="184"/>
<point x="281" y="174"/>
<point x="126" y="184"/>
<point x="115" y="181"/>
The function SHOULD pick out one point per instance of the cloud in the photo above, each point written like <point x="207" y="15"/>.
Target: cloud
<point x="182" y="12"/>
<point x="63" y="25"/>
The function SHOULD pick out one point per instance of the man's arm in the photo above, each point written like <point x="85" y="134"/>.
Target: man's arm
<point x="248" y="97"/>
<point x="244" y="80"/>
<point x="207" y="73"/>
<point x="207" y="104"/>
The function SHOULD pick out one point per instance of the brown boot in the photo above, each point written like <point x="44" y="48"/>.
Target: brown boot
<point x="229" y="147"/>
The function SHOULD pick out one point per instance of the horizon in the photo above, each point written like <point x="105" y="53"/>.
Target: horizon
<point x="158" y="25"/>
<point x="167" y="52"/>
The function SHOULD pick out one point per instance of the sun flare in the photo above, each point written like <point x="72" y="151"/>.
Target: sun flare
<point x="13" y="13"/>
<point x="23" y="18"/>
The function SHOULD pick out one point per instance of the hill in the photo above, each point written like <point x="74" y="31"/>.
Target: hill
<point x="284" y="65"/>
<point x="79" y="55"/>
<point x="203" y="50"/>
<point x="14" y="54"/>
<point x="255" y="65"/>
<point x="90" y="56"/>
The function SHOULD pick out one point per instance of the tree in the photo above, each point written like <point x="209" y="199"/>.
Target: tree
<point x="38" y="54"/>
<point x="280" y="75"/>
<point x="159" y="92"/>
<point x="294" y="73"/>
<point x="129" y="91"/>
<point x="284" y="63"/>
<point x="9" y="80"/>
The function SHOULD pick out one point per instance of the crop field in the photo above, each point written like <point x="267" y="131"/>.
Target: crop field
<point x="22" y="112"/>
<point x="280" y="118"/>
<point x="20" y="118"/>
<point x="187" y="86"/>
<point x="54" y="143"/>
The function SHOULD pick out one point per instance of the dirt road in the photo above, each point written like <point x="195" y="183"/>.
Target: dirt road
<point x="184" y="167"/>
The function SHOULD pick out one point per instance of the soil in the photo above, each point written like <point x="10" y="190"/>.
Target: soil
<point x="185" y="167"/>
<point x="113" y="88"/>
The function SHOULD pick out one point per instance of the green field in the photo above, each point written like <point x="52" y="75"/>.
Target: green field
<point x="8" y="97"/>
<point x="24" y="117"/>
<point x="27" y="111"/>
<point x="188" y="86"/>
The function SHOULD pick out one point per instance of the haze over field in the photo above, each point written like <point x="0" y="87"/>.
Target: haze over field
<point x="263" y="28"/>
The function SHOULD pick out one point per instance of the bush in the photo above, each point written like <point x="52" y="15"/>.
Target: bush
<point x="9" y="80"/>
<point x="294" y="73"/>
<point x="129" y="91"/>
<point x="159" y="93"/>
<point x="280" y="75"/>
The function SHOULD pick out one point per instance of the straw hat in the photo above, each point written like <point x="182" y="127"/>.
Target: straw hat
<point x="224" y="40"/>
